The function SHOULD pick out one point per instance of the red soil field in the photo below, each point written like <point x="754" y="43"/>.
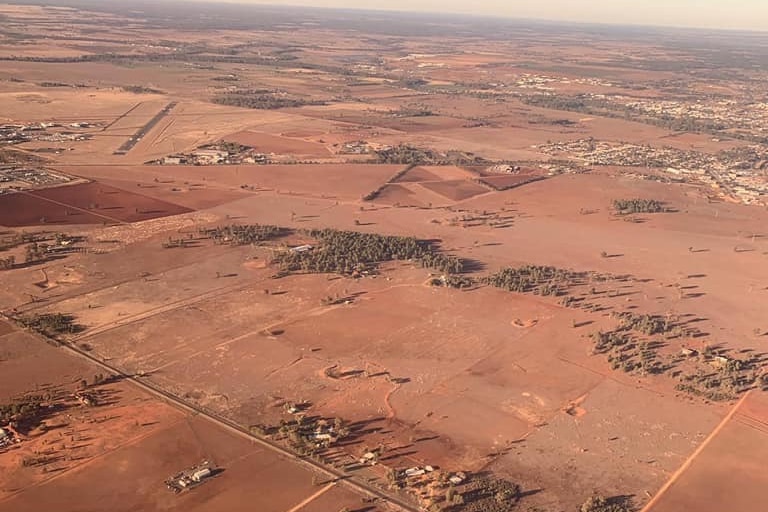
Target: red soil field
<point x="455" y="190"/>
<point x="448" y="172"/>
<point x="267" y="143"/>
<point x="117" y="455"/>
<point x="400" y="195"/>
<point x="728" y="475"/>
<point x="510" y="181"/>
<point x="5" y="328"/>
<point x="434" y="173"/>
<point x="89" y="203"/>
<point x="416" y="175"/>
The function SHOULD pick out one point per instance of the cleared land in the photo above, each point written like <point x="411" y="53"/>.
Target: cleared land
<point x="89" y="203"/>
<point x="130" y="436"/>
<point x="579" y="347"/>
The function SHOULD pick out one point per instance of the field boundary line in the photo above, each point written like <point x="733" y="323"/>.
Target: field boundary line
<point x="166" y="308"/>
<point x="127" y="444"/>
<point x="679" y="472"/>
<point x="83" y="210"/>
<point x="313" y="497"/>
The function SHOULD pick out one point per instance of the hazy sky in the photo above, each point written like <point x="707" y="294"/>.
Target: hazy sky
<point x="745" y="14"/>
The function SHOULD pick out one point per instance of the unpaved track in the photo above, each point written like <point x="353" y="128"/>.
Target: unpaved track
<point x="681" y="470"/>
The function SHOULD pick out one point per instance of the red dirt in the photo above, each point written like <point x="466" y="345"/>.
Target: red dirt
<point x="455" y="190"/>
<point x="5" y="328"/>
<point x="416" y="175"/>
<point x="89" y="203"/>
<point x="728" y="475"/>
<point x="267" y="143"/>
<point x="399" y="195"/>
<point x="509" y="181"/>
<point x="129" y="445"/>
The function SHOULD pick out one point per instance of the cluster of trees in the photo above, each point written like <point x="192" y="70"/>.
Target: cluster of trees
<point x="7" y="263"/>
<point x="140" y="89"/>
<point x="16" y="240"/>
<point x="454" y="281"/>
<point x="412" y="83"/>
<point x="244" y="234"/>
<point x="413" y="110"/>
<point x="629" y="206"/>
<point x="445" y="263"/>
<point x="301" y="433"/>
<point x="730" y="378"/>
<point x="406" y="154"/>
<point x="602" y="504"/>
<point x="55" y="84"/>
<point x="261" y="100"/>
<point x="349" y="252"/>
<point x="38" y="246"/>
<point x="625" y="354"/>
<point x="173" y="243"/>
<point x="34" y="252"/>
<point x="606" y="341"/>
<point x="646" y="324"/>
<point x="711" y="374"/>
<point x="22" y="410"/>
<point x="232" y="148"/>
<point x="540" y="280"/>
<point x="51" y="324"/>
<point x="181" y="56"/>
<point x="490" y="495"/>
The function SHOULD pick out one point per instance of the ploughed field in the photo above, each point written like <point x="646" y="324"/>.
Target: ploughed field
<point x="87" y="203"/>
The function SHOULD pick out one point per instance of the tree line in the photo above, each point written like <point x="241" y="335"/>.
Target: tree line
<point x="261" y="100"/>
<point x="244" y="234"/>
<point x="537" y="279"/>
<point x="629" y="206"/>
<point x="51" y="324"/>
<point x="350" y="252"/>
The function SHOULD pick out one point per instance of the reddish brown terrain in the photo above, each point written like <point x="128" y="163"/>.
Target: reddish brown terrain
<point x="441" y="267"/>
<point x="91" y="203"/>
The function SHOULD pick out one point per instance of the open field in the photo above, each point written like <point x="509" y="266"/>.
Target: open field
<point x="131" y="436"/>
<point x="726" y="473"/>
<point x="266" y="143"/>
<point x="89" y="203"/>
<point x="580" y="309"/>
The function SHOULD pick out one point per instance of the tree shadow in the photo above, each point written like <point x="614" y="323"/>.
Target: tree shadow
<point x="471" y="265"/>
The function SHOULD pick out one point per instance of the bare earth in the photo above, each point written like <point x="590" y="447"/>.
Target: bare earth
<point x="478" y="380"/>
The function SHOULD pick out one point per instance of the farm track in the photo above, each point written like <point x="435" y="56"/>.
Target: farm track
<point x="167" y="308"/>
<point x="682" y="469"/>
<point x="122" y="116"/>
